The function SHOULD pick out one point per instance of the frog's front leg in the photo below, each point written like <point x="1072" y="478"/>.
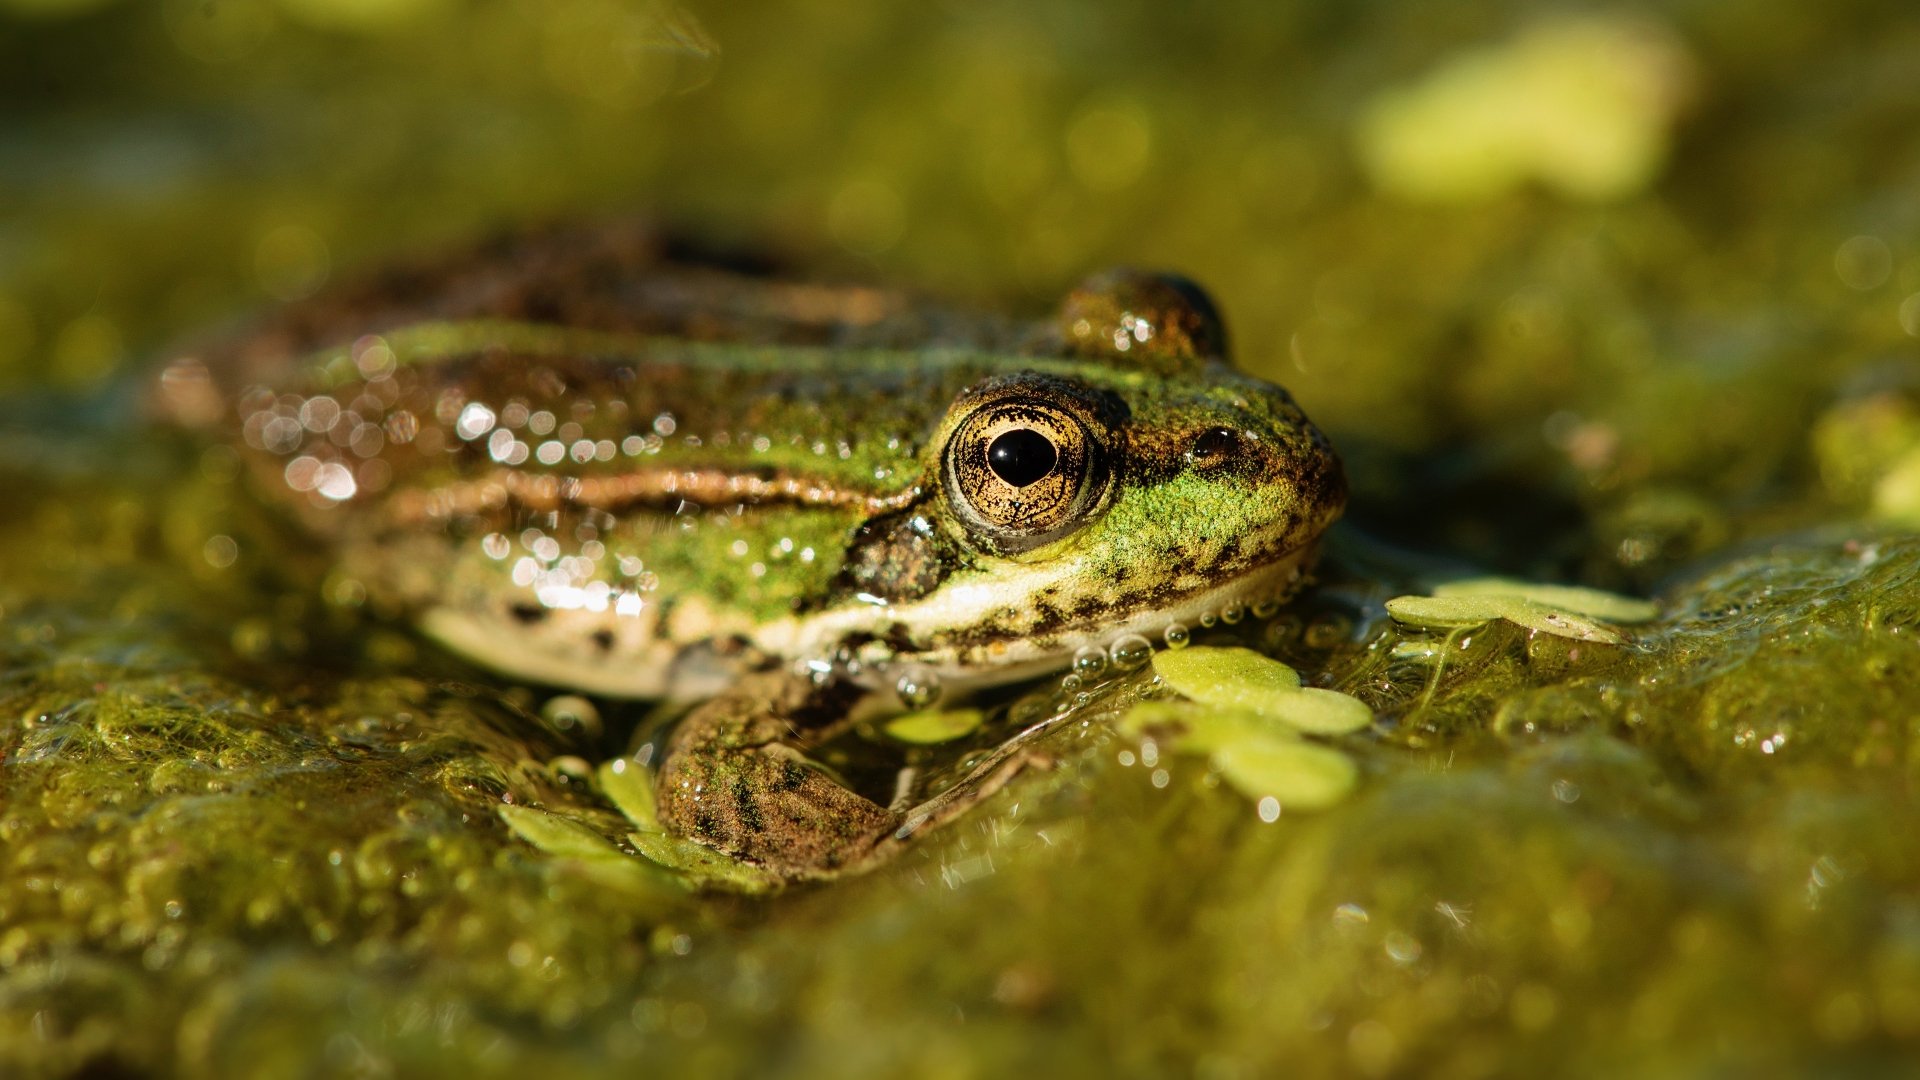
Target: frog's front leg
<point x="734" y="777"/>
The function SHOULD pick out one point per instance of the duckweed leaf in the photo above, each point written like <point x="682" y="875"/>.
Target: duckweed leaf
<point x="929" y="726"/>
<point x="1146" y="715"/>
<point x="1301" y="775"/>
<point x="634" y="877"/>
<point x="1452" y="612"/>
<point x="556" y="835"/>
<point x="1198" y="729"/>
<point x="1444" y="612"/>
<point x="1572" y="598"/>
<point x="1564" y="624"/>
<point x="1323" y="712"/>
<point x="702" y="866"/>
<point x="1230" y="678"/>
<point x="1255" y="751"/>
<point x="628" y="785"/>
<point x="590" y="855"/>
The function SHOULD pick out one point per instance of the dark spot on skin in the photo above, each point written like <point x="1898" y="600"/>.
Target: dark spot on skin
<point x="747" y="807"/>
<point x="604" y="639"/>
<point x="731" y="646"/>
<point x="527" y="614"/>
<point x="1051" y="618"/>
<point x="899" y="639"/>
<point x="1088" y="607"/>
<point x="858" y="640"/>
<point x="792" y="777"/>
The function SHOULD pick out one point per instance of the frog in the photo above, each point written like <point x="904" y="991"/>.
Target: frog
<point x="586" y="458"/>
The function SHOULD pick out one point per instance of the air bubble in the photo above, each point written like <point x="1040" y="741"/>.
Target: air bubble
<point x="1207" y="619"/>
<point x="918" y="687"/>
<point x="1130" y="652"/>
<point x="1231" y="614"/>
<point x="1327" y="631"/>
<point x="1068" y="684"/>
<point x="1090" y="662"/>
<point x="1266" y="609"/>
<point x="571" y="713"/>
<point x="1177" y="636"/>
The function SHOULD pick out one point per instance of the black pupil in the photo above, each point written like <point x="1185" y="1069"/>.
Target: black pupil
<point x="1022" y="456"/>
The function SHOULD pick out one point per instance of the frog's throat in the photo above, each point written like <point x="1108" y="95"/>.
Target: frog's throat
<point x="1022" y="647"/>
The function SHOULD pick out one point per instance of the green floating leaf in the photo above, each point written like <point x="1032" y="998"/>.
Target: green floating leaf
<point x="1444" y="612"/>
<point x="1230" y="678"/>
<point x="929" y="726"/>
<point x="703" y="866"/>
<point x="591" y="855"/>
<point x="634" y="877"/>
<point x="628" y="785"/>
<point x="1454" y="612"/>
<point x="1301" y="775"/>
<point x="1196" y="729"/>
<point x="556" y="835"/>
<point x="1569" y="598"/>
<point x="1559" y="623"/>
<point x="1313" y="711"/>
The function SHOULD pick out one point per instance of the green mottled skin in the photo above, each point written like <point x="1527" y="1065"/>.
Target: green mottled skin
<point x="726" y="506"/>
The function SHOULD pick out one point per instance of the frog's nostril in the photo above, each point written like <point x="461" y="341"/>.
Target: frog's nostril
<point x="1214" y="445"/>
<point x="1022" y="456"/>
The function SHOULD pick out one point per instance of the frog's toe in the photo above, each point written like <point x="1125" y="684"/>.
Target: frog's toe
<point x="771" y="808"/>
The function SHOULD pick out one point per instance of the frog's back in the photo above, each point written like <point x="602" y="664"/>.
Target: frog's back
<point x="579" y="455"/>
<point x="580" y="461"/>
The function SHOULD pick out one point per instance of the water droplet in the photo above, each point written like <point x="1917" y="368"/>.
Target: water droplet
<point x="1090" y="662"/>
<point x="918" y="687"/>
<point x="1207" y="619"/>
<point x="1177" y="636"/>
<point x="1327" y="631"/>
<point x="1265" y="609"/>
<point x="1231" y="614"/>
<point x="1130" y="652"/>
<point x="1069" y="684"/>
<point x="571" y="713"/>
<point x="1283" y="630"/>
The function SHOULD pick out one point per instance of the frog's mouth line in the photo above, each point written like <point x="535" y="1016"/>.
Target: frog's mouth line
<point x="1014" y="654"/>
<point x="974" y="667"/>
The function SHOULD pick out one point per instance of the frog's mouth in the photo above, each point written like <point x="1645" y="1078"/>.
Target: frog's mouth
<point x="997" y="662"/>
<point x="1004" y="643"/>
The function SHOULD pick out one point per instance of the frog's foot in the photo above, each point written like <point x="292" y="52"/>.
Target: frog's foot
<point x="765" y="806"/>
<point x="735" y="779"/>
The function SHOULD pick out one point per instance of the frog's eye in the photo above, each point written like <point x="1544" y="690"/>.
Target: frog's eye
<point x="1022" y="472"/>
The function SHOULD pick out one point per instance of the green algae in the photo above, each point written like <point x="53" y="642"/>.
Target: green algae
<point x="250" y="829"/>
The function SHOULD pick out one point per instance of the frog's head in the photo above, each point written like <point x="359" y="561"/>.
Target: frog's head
<point x="1071" y="502"/>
